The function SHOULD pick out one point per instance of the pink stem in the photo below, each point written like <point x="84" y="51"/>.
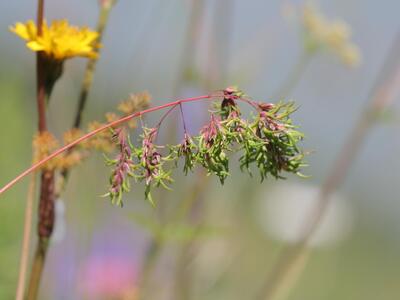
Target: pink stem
<point x="94" y="132"/>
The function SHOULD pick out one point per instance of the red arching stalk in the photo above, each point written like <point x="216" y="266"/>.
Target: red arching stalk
<point x="108" y="125"/>
<point x="96" y="131"/>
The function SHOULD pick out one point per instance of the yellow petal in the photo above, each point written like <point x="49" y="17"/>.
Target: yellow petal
<point x="31" y="29"/>
<point x="20" y="30"/>
<point x="35" y="46"/>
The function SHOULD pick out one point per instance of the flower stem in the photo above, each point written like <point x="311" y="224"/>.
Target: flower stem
<point x="185" y="70"/>
<point x="46" y="220"/>
<point x="26" y="239"/>
<point x="382" y="96"/>
<point x="105" y="9"/>
<point x="152" y="254"/>
<point x="157" y="244"/>
<point x="91" y="65"/>
<point x="46" y="201"/>
<point x="216" y="70"/>
<point x="41" y="93"/>
<point x="37" y="269"/>
<point x="194" y="200"/>
<point x="184" y="77"/>
<point x="40" y="16"/>
<point x="96" y="131"/>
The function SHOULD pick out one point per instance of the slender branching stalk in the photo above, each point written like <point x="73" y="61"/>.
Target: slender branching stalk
<point x="382" y="96"/>
<point x="269" y="138"/>
<point x="92" y="133"/>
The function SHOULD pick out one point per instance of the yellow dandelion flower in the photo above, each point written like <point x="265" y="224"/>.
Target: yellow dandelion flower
<point x="60" y="40"/>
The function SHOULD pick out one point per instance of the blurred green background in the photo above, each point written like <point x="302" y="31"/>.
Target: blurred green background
<point x="98" y="250"/>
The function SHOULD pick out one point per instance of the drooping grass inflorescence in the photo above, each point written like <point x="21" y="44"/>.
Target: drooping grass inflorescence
<point x="122" y="167"/>
<point x="267" y="141"/>
<point x="272" y="144"/>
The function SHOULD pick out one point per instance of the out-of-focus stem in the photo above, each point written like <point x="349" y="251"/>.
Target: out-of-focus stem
<point x="183" y="277"/>
<point x="26" y="239"/>
<point x="381" y="97"/>
<point x="47" y="191"/>
<point x="294" y="76"/>
<point x="105" y="8"/>
<point x="189" y="48"/>
<point x="41" y="93"/>
<point x="112" y="124"/>
<point x="40" y="76"/>
<point x="152" y="254"/>
<point x="46" y="201"/>
<point x="216" y="74"/>
<point x="220" y="44"/>
<point x="37" y="269"/>
<point x="40" y="16"/>
<point x="45" y="228"/>
<point x="189" y="201"/>
<point x="157" y="243"/>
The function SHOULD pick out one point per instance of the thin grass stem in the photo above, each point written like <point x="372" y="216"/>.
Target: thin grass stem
<point x="24" y="260"/>
<point x="382" y="95"/>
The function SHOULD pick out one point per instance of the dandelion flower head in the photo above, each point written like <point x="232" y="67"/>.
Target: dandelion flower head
<point x="60" y="40"/>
